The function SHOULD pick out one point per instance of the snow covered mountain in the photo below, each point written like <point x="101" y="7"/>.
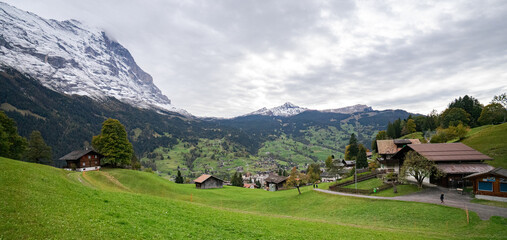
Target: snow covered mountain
<point x="286" y="110"/>
<point x="69" y="57"/>
<point x="350" y="109"/>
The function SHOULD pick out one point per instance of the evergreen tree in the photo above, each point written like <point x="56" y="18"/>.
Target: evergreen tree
<point x="471" y="106"/>
<point x="381" y="135"/>
<point x="179" y="178"/>
<point x="353" y="147"/>
<point x="11" y="144"/>
<point x="397" y="128"/>
<point x="361" y="161"/>
<point x="38" y="151"/>
<point x="390" y="131"/>
<point x="237" y="180"/>
<point x="112" y="142"/>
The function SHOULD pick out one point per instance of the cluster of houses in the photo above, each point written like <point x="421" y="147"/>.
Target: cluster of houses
<point x="462" y="165"/>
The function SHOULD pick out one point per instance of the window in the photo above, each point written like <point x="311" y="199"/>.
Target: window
<point x="83" y="164"/>
<point x="95" y="156"/>
<point x="486" y="186"/>
<point x="89" y="156"/>
<point x="503" y="187"/>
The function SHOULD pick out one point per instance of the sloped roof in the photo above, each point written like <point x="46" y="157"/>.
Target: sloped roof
<point x="205" y="177"/>
<point x="275" y="178"/>
<point x="465" y="168"/>
<point x="75" y="155"/>
<point x="390" y="146"/>
<point x="495" y="171"/>
<point x="447" y="152"/>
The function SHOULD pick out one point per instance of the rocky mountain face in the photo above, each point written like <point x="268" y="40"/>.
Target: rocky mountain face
<point x="72" y="58"/>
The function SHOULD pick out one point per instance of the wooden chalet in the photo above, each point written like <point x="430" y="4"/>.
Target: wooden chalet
<point x="490" y="183"/>
<point x="206" y="181"/>
<point x="275" y="182"/>
<point x="388" y="148"/>
<point x="82" y="160"/>
<point x="455" y="160"/>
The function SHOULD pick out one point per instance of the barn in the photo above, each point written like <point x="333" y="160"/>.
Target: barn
<point x="82" y="160"/>
<point x="206" y="181"/>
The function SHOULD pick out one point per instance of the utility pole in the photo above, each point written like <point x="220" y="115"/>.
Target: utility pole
<point x="355" y="173"/>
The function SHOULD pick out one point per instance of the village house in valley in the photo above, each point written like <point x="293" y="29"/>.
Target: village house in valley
<point x="206" y="181"/>
<point x="82" y="160"/>
<point x="491" y="185"/>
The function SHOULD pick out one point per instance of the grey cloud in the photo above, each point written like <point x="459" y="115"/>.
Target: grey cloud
<point x="194" y="50"/>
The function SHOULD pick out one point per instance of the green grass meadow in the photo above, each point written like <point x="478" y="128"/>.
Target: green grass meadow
<point x="490" y="140"/>
<point x="41" y="202"/>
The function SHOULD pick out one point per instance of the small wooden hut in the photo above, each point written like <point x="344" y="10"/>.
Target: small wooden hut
<point x="275" y="182"/>
<point x="206" y="181"/>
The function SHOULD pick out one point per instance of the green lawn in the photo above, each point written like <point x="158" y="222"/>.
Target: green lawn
<point x="402" y="190"/>
<point x="492" y="141"/>
<point x="416" y="135"/>
<point x="368" y="184"/>
<point x="38" y="201"/>
<point x="490" y="203"/>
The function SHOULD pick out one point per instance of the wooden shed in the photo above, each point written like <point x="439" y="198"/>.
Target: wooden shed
<point x="206" y="181"/>
<point x="491" y="183"/>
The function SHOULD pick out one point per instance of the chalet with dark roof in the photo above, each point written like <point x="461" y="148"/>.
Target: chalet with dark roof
<point x="206" y="181"/>
<point x="82" y="160"/>
<point x="490" y="184"/>
<point x="274" y="182"/>
<point x="455" y="160"/>
<point x="388" y="148"/>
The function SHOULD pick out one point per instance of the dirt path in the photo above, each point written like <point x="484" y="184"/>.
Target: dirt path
<point x="432" y="195"/>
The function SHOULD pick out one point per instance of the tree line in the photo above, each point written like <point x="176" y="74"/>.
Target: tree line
<point x="460" y="115"/>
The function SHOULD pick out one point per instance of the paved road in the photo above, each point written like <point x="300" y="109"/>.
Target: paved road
<point x="432" y="195"/>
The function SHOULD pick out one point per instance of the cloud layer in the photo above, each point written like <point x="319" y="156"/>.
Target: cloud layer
<point x="227" y="58"/>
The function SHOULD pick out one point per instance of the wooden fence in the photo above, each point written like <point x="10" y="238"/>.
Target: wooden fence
<point x="340" y="186"/>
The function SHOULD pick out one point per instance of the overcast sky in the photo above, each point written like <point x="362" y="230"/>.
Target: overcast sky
<point x="228" y="58"/>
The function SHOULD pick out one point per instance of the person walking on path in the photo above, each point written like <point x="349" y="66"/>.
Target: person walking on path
<point x="442" y="198"/>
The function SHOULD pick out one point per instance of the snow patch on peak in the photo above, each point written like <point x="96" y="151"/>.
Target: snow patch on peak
<point x="286" y="110"/>
<point x="350" y="109"/>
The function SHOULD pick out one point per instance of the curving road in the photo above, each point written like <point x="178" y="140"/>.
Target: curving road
<point x="432" y="195"/>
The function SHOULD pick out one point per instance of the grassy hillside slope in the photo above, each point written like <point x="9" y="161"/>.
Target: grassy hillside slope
<point x="490" y="140"/>
<point x="37" y="201"/>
